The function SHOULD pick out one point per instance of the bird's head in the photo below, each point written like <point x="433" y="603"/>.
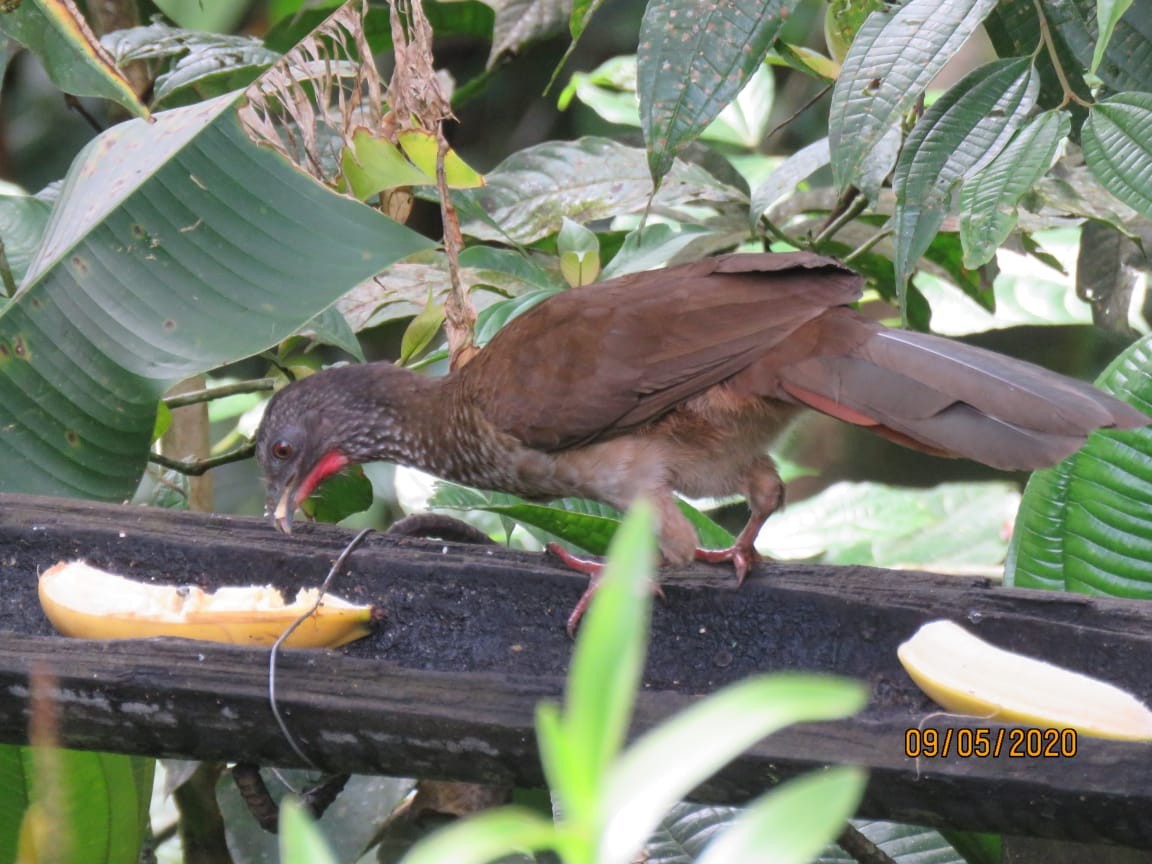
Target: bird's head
<point x="317" y="425"/>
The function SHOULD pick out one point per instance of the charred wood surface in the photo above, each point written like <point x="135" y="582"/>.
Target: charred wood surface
<point x="473" y="637"/>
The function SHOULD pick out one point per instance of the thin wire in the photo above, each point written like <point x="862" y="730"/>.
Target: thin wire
<point x="295" y="624"/>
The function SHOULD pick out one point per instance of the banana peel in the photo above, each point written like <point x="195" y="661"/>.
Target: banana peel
<point x="84" y="601"/>
<point x="967" y="675"/>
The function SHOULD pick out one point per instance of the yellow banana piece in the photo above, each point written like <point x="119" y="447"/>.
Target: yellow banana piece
<point x="81" y="600"/>
<point x="967" y="675"/>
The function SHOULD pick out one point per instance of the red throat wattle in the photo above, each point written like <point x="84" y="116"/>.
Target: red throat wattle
<point x="329" y="463"/>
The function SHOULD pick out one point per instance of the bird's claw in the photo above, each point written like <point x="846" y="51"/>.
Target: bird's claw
<point x="742" y="557"/>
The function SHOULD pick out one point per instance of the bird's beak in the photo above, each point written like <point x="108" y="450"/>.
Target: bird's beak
<point x="281" y="509"/>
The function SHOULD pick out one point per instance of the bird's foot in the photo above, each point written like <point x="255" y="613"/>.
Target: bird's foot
<point x="593" y="570"/>
<point x="742" y="556"/>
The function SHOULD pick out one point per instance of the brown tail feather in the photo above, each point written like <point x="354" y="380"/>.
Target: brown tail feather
<point x="947" y="397"/>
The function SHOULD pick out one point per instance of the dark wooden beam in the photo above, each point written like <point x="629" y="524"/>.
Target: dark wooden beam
<point x="474" y="637"/>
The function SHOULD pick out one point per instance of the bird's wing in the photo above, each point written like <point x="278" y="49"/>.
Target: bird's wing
<point x="599" y="361"/>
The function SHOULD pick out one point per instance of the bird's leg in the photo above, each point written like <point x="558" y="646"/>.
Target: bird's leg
<point x="677" y="539"/>
<point x="592" y="569"/>
<point x="765" y="495"/>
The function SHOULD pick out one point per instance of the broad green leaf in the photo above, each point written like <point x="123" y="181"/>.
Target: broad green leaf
<point x="579" y="251"/>
<point x="56" y="32"/>
<point x="869" y="523"/>
<point x="373" y="164"/>
<point x="656" y="244"/>
<point x="963" y="130"/>
<point x="793" y="822"/>
<point x="668" y="762"/>
<point x="529" y="193"/>
<point x="988" y="200"/>
<point x="339" y="496"/>
<point x="891" y="61"/>
<point x="570" y="519"/>
<point x="95" y="808"/>
<point x="1086" y="524"/>
<point x="200" y="64"/>
<point x="692" y="61"/>
<point x="485" y="838"/>
<point x="587" y="524"/>
<point x="301" y="841"/>
<point x="1117" y="142"/>
<point x="1108" y="13"/>
<point x="610" y="91"/>
<point x="149" y="272"/>
<point x="608" y="660"/>
<point x="788" y="175"/>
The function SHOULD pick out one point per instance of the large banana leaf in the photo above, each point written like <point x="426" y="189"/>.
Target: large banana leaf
<point x="175" y="247"/>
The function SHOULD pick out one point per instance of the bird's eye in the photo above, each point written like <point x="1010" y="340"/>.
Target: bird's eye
<point x="282" y="450"/>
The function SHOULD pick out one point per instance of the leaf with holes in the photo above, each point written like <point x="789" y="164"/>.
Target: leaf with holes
<point x="152" y="269"/>
<point x="963" y="131"/>
<point x="1085" y="525"/>
<point x="1117" y="149"/>
<point x="692" y="60"/>
<point x="891" y="61"/>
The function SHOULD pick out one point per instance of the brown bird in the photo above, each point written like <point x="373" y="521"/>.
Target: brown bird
<point x="676" y="380"/>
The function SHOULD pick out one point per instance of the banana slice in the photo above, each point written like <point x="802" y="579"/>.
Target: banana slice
<point x="84" y="601"/>
<point x="967" y="675"/>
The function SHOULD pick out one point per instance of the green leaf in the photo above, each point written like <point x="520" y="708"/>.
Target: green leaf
<point x="55" y="32"/>
<point x="655" y="244"/>
<point x="96" y="803"/>
<point x="571" y="519"/>
<point x="23" y="219"/>
<point x="529" y="193"/>
<point x="667" y="763"/>
<point x="1086" y="524"/>
<point x="842" y="21"/>
<point x="373" y="164"/>
<point x="300" y="839"/>
<point x="1118" y="148"/>
<point x="692" y="61"/>
<point x="587" y="524"/>
<point x="149" y="272"/>
<point x="579" y="251"/>
<point x="793" y="822"/>
<point x="339" y="496"/>
<point x="988" y="200"/>
<point x="1108" y="13"/>
<point x="869" y="523"/>
<point x="788" y="175"/>
<point x="420" y="332"/>
<point x="963" y="130"/>
<point x="891" y="61"/>
<point x="607" y="662"/>
<point x="200" y="64"/>
<point x="330" y="327"/>
<point x="484" y="838"/>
